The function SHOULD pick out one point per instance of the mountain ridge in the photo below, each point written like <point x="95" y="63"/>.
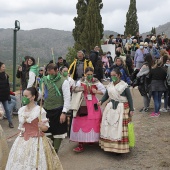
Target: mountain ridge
<point x="38" y="42"/>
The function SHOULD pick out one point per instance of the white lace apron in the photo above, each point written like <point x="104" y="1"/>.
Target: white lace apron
<point x="111" y="127"/>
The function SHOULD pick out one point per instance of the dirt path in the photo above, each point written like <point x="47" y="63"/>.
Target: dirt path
<point x="152" y="149"/>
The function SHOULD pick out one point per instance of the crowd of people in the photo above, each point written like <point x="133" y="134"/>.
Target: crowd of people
<point x="51" y="93"/>
<point x="145" y="65"/>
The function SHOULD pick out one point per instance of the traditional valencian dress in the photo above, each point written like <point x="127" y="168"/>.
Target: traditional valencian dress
<point x="86" y="125"/>
<point x="23" y="154"/>
<point x="3" y="149"/>
<point x="115" y="119"/>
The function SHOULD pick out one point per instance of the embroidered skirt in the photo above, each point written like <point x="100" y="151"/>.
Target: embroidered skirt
<point x="121" y="146"/>
<point x="3" y="150"/>
<point x="23" y="155"/>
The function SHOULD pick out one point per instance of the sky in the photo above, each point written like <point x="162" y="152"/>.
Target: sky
<point x="59" y="14"/>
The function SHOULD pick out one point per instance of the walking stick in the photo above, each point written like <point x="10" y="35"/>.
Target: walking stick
<point x="36" y="82"/>
<point x="20" y="87"/>
<point x="52" y="52"/>
<point x="41" y="105"/>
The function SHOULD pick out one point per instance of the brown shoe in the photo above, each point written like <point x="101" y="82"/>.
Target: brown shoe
<point x="11" y="125"/>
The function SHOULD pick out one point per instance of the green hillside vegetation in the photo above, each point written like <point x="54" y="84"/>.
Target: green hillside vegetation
<point x="36" y="43"/>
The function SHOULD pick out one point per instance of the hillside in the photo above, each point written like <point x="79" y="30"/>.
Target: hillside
<point x="160" y="29"/>
<point x="37" y="43"/>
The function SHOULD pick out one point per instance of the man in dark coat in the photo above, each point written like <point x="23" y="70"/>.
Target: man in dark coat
<point x="61" y="63"/>
<point x="97" y="63"/>
<point x="147" y="39"/>
<point x="94" y="56"/>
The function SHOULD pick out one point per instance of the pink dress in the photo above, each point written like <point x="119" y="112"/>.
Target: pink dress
<point x="87" y="128"/>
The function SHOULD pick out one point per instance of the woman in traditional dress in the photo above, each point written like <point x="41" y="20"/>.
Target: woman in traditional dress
<point x="64" y="72"/>
<point x="3" y="149"/>
<point x="86" y="125"/>
<point x="115" y="119"/>
<point x="31" y="149"/>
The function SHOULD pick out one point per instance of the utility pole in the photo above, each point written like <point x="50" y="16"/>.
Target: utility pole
<point x="17" y="28"/>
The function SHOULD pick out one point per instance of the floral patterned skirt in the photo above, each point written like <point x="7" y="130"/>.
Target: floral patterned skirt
<point x="23" y="155"/>
<point x="3" y="150"/>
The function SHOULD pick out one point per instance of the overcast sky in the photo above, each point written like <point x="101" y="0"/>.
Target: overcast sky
<point x="59" y="14"/>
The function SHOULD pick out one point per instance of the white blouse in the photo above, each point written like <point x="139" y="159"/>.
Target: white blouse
<point x="30" y="116"/>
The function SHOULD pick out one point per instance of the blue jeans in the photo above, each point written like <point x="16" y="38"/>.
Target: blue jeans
<point x="12" y="103"/>
<point x="157" y="95"/>
<point x="165" y="99"/>
<point x="7" y="110"/>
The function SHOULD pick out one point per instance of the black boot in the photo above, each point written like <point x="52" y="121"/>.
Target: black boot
<point x="11" y="125"/>
<point x="56" y="151"/>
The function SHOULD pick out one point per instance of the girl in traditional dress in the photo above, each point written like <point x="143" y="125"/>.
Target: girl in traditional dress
<point x="115" y="119"/>
<point x="64" y="72"/>
<point x="3" y="149"/>
<point x="31" y="149"/>
<point x="86" y="125"/>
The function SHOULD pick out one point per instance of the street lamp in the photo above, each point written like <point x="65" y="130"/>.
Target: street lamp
<point x="17" y="28"/>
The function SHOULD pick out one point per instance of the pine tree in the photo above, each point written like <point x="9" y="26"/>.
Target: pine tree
<point x="132" y="25"/>
<point x="82" y="6"/>
<point x="90" y="36"/>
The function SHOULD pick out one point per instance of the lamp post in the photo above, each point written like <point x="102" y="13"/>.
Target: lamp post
<point x="17" y="28"/>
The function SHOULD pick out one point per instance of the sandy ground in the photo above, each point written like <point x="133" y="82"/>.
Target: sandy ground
<point x="152" y="150"/>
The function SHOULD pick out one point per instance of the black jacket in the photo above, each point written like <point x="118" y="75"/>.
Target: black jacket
<point x="98" y="71"/>
<point x="4" y="87"/>
<point x="94" y="57"/>
<point x="23" y="75"/>
<point x="64" y="64"/>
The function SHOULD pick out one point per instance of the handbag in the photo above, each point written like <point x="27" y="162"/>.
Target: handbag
<point x="82" y="111"/>
<point x="131" y="134"/>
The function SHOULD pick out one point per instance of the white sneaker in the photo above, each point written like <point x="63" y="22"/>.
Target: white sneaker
<point x="163" y="110"/>
<point x="104" y="80"/>
<point x="168" y="108"/>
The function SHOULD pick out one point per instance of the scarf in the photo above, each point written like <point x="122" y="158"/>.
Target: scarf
<point x="51" y="81"/>
<point x="34" y="69"/>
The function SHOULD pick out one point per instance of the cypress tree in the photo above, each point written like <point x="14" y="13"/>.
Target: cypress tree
<point x="100" y="25"/>
<point x="154" y="30"/>
<point x="79" y="22"/>
<point x="132" y="25"/>
<point x="99" y="7"/>
<point x="90" y="36"/>
<point x="82" y="6"/>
